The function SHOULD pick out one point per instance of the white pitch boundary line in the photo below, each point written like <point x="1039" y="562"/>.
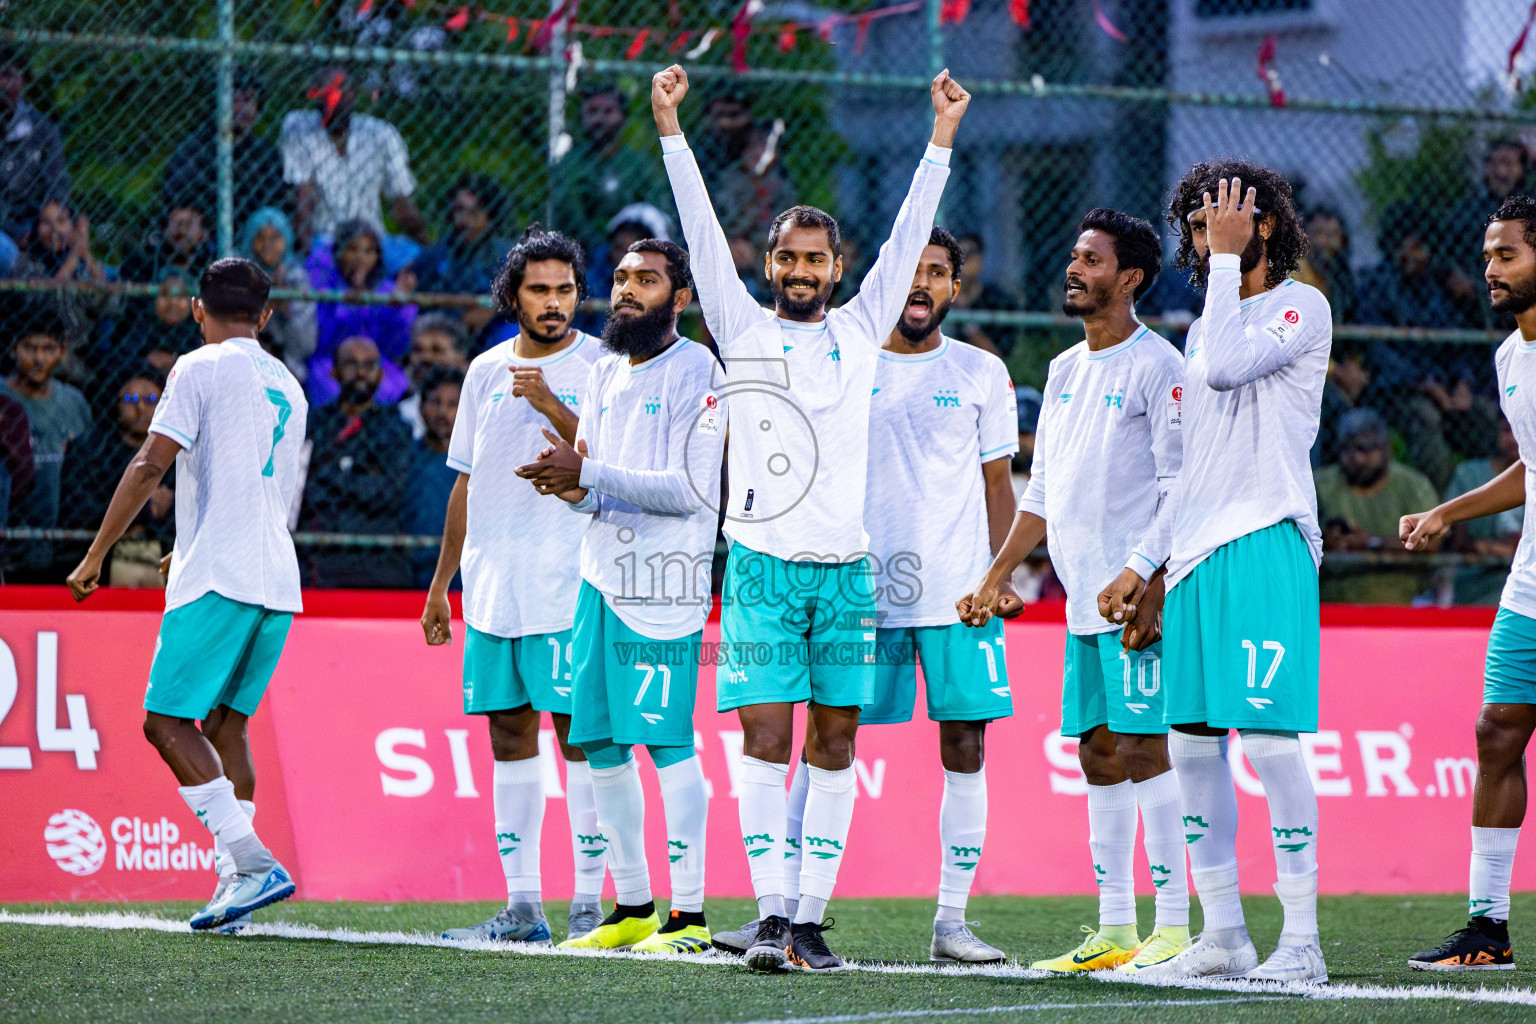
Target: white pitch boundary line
<point x="117" y="921"/>
<point x="979" y="1011"/>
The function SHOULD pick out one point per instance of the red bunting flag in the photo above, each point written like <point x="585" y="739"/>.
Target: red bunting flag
<point x="680" y="42"/>
<point x="863" y="36"/>
<point x="1019" y="10"/>
<point x="787" y="37"/>
<point x="741" y="27"/>
<point x="1518" y="46"/>
<point x="1268" y="73"/>
<point x="953" y="12"/>
<point x="363" y="9"/>
<point x="1108" y="27"/>
<point x="511" y="30"/>
<point x="638" y="46"/>
<point x="331" y="92"/>
<point x="459" y="21"/>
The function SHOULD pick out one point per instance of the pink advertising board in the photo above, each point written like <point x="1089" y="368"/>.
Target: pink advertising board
<point x="374" y="786"/>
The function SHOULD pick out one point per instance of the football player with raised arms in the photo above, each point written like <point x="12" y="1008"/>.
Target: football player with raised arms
<point x="797" y="579"/>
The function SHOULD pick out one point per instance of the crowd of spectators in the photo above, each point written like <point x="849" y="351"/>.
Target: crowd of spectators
<point x="330" y="205"/>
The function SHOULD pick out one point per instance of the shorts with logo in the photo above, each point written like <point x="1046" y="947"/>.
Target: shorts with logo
<point x="795" y="631"/>
<point x="965" y="676"/>
<point x="502" y="673"/>
<point x="214" y="652"/>
<point x="1241" y="636"/>
<point x="1103" y="684"/>
<point x="1509" y="674"/>
<point x="629" y="688"/>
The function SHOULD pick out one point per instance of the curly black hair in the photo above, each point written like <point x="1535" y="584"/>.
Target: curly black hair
<point x="941" y="236"/>
<point x="1286" y="244"/>
<point x="1136" y="244"/>
<point x="536" y="244"/>
<point x="1521" y="208"/>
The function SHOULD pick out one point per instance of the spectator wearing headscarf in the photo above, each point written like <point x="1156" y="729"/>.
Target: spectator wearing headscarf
<point x="354" y="262"/>
<point x="267" y="238"/>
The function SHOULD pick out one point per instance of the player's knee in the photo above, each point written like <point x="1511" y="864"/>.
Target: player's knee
<point x="961" y="746"/>
<point x="832" y="752"/>
<point x="1143" y="757"/>
<point x="1500" y="743"/>
<point x="514" y="734"/>
<point x="768" y="744"/>
<point x="158" y="730"/>
<point x="1101" y="767"/>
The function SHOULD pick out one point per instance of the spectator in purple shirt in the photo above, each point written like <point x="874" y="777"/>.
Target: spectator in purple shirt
<point x="355" y="263"/>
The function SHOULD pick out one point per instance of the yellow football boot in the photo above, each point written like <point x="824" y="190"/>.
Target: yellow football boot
<point x="1097" y="952"/>
<point x="615" y="933"/>
<point x="677" y="938"/>
<point x="1161" y="946"/>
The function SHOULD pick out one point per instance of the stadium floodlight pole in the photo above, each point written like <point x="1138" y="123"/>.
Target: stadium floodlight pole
<point x="559" y="70"/>
<point x="226" y="128"/>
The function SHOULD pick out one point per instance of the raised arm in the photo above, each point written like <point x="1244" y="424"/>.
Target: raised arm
<point x="885" y="288"/>
<point x="729" y="308"/>
<point x="1236" y="355"/>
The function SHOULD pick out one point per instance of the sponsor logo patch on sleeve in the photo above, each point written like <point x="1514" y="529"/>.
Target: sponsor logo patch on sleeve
<point x="709" y="415"/>
<point x="1285" y="325"/>
<point x="1175" y="407"/>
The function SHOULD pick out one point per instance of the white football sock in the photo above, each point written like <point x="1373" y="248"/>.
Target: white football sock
<point x="1277" y="760"/>
<point x="1112" y="841"/>
<point x="588" y="847"/>
<point x="214" y="804"/>
<point x="762" y="806"/>
<point x="1162" y="834"/>
<point x="687" y="809"/>
<point x="1493" y="861"/>
<point x="962" y="829"/>
<point x="799" y="789"/>
<point x="517" y="798"/>
<point x="828" y="813"/>
<point x="621" y="809"/>
<point x="1208" y="799"/>
<point x="223" y="863"/>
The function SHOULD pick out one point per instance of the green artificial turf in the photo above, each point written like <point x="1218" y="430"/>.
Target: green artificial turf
<point x="90" y="974"/>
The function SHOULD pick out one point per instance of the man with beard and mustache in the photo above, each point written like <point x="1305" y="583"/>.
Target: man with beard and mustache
<point x="646" y="472"/>
<point x="1108" y="449"/>
<point x="943" y="428"/>
<point x="1508" y="717"/>
<point x="797" y="578"/>
<point x="1254" y="368"/>
<point x="518" y="557"/>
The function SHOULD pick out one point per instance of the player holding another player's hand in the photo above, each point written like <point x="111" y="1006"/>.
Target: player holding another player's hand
<point x="557" y="469"/>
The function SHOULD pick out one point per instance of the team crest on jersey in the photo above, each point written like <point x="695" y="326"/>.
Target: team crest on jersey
<point x="1285" y="325"/>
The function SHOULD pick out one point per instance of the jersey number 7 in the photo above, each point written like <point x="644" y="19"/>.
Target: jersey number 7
<point x="284" y="410"/>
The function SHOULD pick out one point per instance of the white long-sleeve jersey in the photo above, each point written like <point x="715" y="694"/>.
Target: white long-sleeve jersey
<point x="1253" y="391"/>
<point x="654" y="436"/>
<point x="800" y="392"/>
<point x="1108" y="450"/>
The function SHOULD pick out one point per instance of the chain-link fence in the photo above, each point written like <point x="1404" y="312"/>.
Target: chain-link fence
<point x="366" y="149"/>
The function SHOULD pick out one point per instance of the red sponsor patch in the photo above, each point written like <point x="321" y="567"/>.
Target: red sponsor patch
<point x="1178" y="394"/>
<point x="711" y="401"/>
<point x="1291" y="316"/>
